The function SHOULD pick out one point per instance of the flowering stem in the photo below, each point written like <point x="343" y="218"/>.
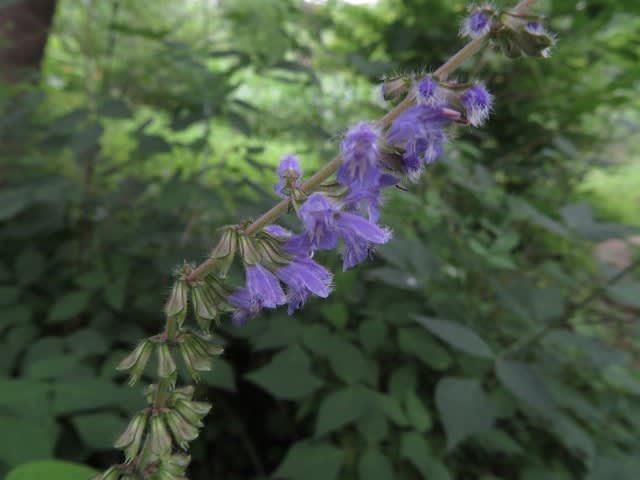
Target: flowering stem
<point x="330" y="168"/>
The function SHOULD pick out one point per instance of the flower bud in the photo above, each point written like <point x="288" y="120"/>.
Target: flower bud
<point x="394" y="87"/>
<point x="166" y="363"/>
<point x="183" y="431"/>
<point x="225" y="250"/>
<point x="193" y="412"/>
<point x="205" y="309"/>
<point x="112" y="473"/>
<point x="271" y="253"/>
<point x="196" y="359"/>
<point x="177" y="304"/>
<point x="220" y="292"/>
<point x="135" y="363"/>
<point x="177" y="464"/>
<point x="248" y="251"/>
<point x="130" y="440"/>
<point x="160" y="437"/>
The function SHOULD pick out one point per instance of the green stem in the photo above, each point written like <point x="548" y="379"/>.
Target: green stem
<point x="330" y="168"/>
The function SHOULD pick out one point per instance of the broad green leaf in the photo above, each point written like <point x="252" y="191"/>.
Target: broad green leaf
<point x="465" y="408"/>
<point x="288" y="375"/>
<point x="281" y="331"/>
<point x="392" y="408"/>
<point x="495" y="440"/>
<point x="220" y="376"/>
<point x="372" y="334"/>
<point x="25" y="397"/>
<point x="419" y="416"/>
<point x="347" y="360"/>
<point x="340" y="408"/>
<point x="373" y="426"/>
<point x="99" y="430"/>
<point x="414" y="448"/>
<point x="336" y="313"/>
<point x="402" y="381"/>
<point x="456" y="335"/>
<point x="68" y="306"/>
<point x="87" y="342"/>
<point x="59" y="366"/>
<point x="114" y="108"/>
<point x="373" y="465"/>
<point x="520" y="380"/>
<point x="25" y="439"/>
<point x="51" y="470"/>
<point x="419" y="343"/>
<point x="310" y="461"/>
<point x="72" y="396"/>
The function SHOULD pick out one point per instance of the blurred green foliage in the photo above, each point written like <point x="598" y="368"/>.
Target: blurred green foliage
<point x="464" y="351"/>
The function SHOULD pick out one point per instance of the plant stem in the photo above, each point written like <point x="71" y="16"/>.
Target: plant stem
<point x="330" y="168"/>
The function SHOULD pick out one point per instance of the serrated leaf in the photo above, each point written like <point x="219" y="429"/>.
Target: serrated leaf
<point x="520" y="380"/>
<point x="465" y="409"/>
<point x="340" y="408"/>
<point x="288" y="375"/>
<point x="419" y="343"/>
<point x="310" y="461"/>
<point x="347" y="360"/>
<point x="456" y="335"/>
<point x="373" y="465"/>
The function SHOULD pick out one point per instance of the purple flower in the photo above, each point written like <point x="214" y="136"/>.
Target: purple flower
<point x="360" y="164"/>
<point x="246" y="304"/>
<point x="324" y="224"/>
<point x="264" y="287"/>
<point x="359" y="235"/>
<point x="289" y="172"/>
<point x="534" y="27"/>
<point x="476" y="25"/>
<point x="369" y="200"/>
<point x="277" y="231"/>
<point x="304" y="277"/>
<point x="420" y="131"/>
<point x="477" y="102"/>
<point x="427" y="91"/>
<point x="318" y="217"/>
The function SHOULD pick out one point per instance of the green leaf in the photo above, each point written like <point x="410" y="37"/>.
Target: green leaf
<point x="51" y="470"/>
<point x="114" y="108"/>
<point x="392" y="408"/>
<point x="415" y="449"/>
<point x="373" y="427"/>
<point x="29" y="266"/>
<point x="58" y="366"/>
<point x="465" y="408"/>
<point x="372" y="334"/>
<point x="417" y="342"/>
<point x="520" y="380"/>
<point x="419" y="416"/>
<point x="281" y="331"/>
<point x="220" y="376"/>
<point x="456" y="335"/>
<point x="373" y="465"/>
<point x="310" y="461"/>
<point x="336" y="313"/>
<point x="99" y="430"/>
<point x="347" y="360"/>
<point x="150" y="145"/>
<point x="87" y="342"/>
<point x="340" y="408"/>
<point x="495" y="440"/>
<point x="23" y="440"/>
<point x="25" y="397"/>
<point x="72" y="396"/>
<point x="68" y="306"/>
<point x="288" y="375"/>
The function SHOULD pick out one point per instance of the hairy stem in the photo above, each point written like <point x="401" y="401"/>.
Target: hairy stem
<point x="330" y="168"/>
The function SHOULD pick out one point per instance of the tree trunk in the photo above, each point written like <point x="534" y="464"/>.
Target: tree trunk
<point x="24" y="29"/>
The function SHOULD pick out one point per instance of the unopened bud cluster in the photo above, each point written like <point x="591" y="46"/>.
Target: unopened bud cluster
<point x="279" y="266"/>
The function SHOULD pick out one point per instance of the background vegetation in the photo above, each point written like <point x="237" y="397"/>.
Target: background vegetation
<point x="484" y="342"/>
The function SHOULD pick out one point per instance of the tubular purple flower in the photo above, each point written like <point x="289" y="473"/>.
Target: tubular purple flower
<point x="420" y="131"/>
<point x="264" y="286"/>
<point x="476" y="25"/>
<point x="477" y="103"/>
<point x="277" y="231"/>
<point x="360" y="164"/>
<point x="369" y="200"/>
<point x="289" y="172"/>
<point x="247" y="306"/>
<point x="427" y="91"/>
<point x="359" y="235"/>
<point x="303" y="277"/>
<point x="317" y="215"/>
